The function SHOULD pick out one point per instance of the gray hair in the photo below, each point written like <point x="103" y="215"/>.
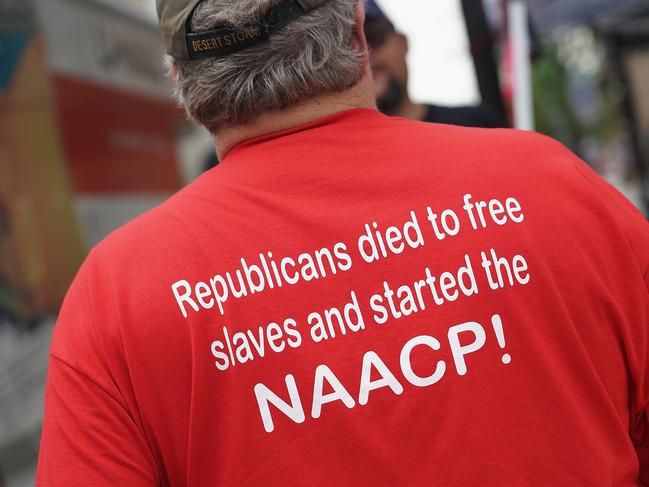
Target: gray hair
<point x="312" y="55"/>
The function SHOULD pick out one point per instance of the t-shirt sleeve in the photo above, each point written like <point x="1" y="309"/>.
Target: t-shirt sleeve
<point x="89" y="435"/>
<point x="635" y="228"/>
<point x="631" y="222"/>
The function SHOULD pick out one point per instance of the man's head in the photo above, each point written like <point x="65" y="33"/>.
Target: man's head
<point x="313" y="54"/>
<point x="388" y="50"/>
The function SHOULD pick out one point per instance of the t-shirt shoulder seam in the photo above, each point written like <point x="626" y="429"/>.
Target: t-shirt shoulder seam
<point x="93" y="321"/>
<point x="88" y="377"/>
<point x="642" y="267"/>
<point x="118" y="332"/>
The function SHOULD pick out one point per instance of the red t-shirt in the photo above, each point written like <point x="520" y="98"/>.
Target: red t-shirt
<point x="362" y="300"/>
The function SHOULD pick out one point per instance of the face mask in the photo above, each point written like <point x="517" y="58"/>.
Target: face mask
<point x="393" y="97"/>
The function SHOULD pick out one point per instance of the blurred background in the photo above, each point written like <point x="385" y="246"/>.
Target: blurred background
<point x="89" y="137"/>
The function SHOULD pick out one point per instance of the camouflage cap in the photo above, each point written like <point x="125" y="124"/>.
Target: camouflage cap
<point x="183" y="44"/>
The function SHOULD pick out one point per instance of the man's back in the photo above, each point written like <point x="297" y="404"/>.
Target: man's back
<point x="362" y="301"/>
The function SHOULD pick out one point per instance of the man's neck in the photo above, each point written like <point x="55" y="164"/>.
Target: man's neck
<point x="359" y="96"/>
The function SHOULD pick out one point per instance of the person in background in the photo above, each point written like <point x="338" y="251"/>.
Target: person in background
<point x="388" y="51"/>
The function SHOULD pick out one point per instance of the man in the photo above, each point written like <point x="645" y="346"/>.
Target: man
<point x="388" y="51"/>
<point x="348" y="298"/>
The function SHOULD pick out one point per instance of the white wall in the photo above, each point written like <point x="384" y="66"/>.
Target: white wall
<point x="441" y="68"/>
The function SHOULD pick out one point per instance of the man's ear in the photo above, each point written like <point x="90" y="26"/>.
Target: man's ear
<point x="173" y="72"/>
<point x="172" y="69"/>
<point x="359" y="35"/>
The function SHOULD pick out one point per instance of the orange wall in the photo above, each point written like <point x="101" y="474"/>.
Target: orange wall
<point x="45" y="243"/>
